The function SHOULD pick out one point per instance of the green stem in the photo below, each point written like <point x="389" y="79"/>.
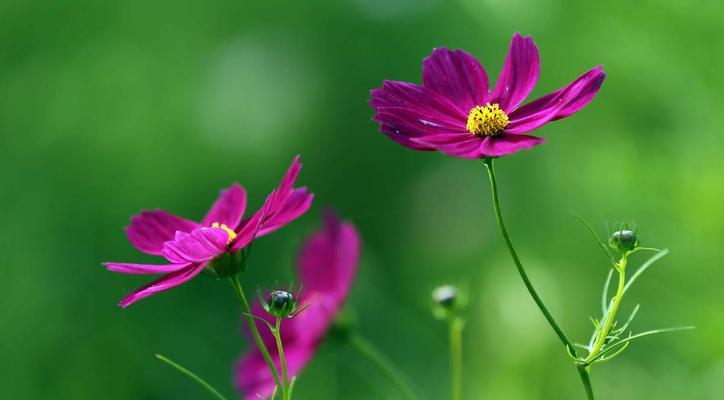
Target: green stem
<point x="456" y="357"/>
<point x="368" y="350"/>
<point x="252" y="326"/>
<point x="585" y="378"/>
<point x="282" y="359"/>
<point x="611" y="314"/>
<point x="193" y="376"/>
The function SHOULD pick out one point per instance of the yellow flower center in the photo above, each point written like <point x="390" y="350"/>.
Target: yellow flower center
<point x="231" y="233"/>
<point x="487" y="120"/>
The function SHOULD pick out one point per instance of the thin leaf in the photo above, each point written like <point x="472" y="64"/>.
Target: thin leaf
<point x="630" y="318"/>
<point x="259" y="319"/>
<point x="618" y="352"/>
<point x="644" y="267"/>
<point x="604" y="297"/>
<point x="291" y="386"/>
<point x="644" y="249"/>
<point x="570" y="352"/>
<point x="653" y="332"/>
<point x="594" y="336"/>
<point x="598" y="240"/>
<point x="193" y="376"/>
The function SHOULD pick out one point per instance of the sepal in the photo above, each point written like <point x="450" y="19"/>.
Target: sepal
<point x="228" y="264"/>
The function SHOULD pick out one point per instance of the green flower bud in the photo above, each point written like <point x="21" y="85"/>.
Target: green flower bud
<point x="447" y="301"/>
<point x="445" y="296"/>
<point x="624" y="240"/>
<point x="280" y="304"/>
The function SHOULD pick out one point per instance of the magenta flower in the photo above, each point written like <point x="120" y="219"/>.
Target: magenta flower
<point x="189" y="246"/>
<point x="456" y="113"/>
<point x="327" y="266"/>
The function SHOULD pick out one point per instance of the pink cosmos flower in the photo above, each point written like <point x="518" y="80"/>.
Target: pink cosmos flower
<point x="456" y="113"/>
<point x="327" y="266"/>
<point x="190" y="246"/>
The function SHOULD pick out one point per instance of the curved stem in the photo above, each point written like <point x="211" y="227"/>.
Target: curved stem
<point x="498" y="215"/>
<point x="193" y="376"/>
<point x="456" y="357"/>
<point x="368" y="350"/>
<point x="252" y="326"/>
<point x="524" y="276"/>
<point x="282" y="359"/>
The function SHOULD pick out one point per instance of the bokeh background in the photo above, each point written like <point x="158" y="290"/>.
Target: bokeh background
<point x="110" y="107"/>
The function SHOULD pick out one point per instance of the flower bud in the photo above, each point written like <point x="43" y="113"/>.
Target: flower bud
<point x="280" y="303"/>
<point x="624" y="240"/>
<point x="445" y="296"/>
<point x="447" y="301"/>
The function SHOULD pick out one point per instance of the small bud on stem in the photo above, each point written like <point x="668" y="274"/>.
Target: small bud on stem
<point x="280" y="304"/>
<point x="624" y="240"/>
<point x="447" y="301"/>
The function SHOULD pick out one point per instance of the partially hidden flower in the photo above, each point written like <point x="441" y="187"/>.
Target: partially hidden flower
<point x="326" y="268"/>
<point x="455" y="112"/>
<point x="191" y="246"/>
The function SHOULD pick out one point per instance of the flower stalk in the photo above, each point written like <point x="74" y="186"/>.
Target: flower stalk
<point x="286" y="395"/>
<point x="456" y="357"/>
<point x="583" y="372"/>
<point x="254" y="331"/>
<point x="448" y="304"/>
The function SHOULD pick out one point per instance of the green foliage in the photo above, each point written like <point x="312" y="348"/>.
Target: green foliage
<point x="609" y="338"/>
<point x="110" y="107"/>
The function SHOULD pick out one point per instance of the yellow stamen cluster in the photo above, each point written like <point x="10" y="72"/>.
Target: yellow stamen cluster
<point x="487" y="120"/>
<point x="230" y="232"/>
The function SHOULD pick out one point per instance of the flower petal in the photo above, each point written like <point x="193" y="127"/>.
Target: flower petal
<point x="406" y="111"/>
<point x="463" y="145"/>
<point x="281" y="195"/>
<point x="252" y="376"/>
<point x="506" y="144"/>
<point x="287" y="183"/>
<point x="416" y="98"/>
<point x="403" y="139"/>
<point x="250" y="227"/>
<point x="150" y="229"/>
<point x="126" y="268"/>
<point x="311" y="325"/>
<point x="408" y="120"/>
<point x="559" y="104"/>
<point x="228" y="208"/>
<point x="200" y="245"/>
<point x="296" y="204"/>
<point x="519" y="74"/>
<point x="282" y="206"/>
<point x="164" y="283"/>
<point x="458" y="76"/>
<point x="329" y="258"/>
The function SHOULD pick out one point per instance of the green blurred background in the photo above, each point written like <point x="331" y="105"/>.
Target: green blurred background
<point x="110" y="107"/>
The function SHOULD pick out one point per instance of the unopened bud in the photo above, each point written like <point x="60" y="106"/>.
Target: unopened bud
<point x="447" y="301"/>
<point x="445" y="296"/>
<point x="280" y="303"/>
<point x="624" y="240"/>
